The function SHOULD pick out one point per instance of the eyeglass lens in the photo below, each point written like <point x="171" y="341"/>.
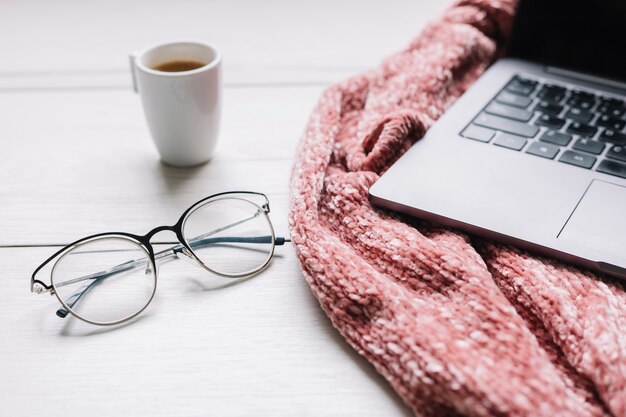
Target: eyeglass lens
<point x="105" y="280"/>
<point x="230" y="236"/>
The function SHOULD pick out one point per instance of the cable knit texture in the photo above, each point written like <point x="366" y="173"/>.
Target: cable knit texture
<point x="457" y="325"/>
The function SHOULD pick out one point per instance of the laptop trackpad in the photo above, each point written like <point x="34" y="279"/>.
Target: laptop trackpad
<point x="598" y="222"/>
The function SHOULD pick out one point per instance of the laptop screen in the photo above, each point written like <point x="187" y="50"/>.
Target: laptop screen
<point x="588" y="36"/>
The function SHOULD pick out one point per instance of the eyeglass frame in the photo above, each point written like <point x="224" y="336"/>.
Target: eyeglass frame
<point x="39" y="287"/>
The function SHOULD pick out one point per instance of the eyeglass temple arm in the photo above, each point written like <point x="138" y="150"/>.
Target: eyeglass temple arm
<point x="166" y="254"/>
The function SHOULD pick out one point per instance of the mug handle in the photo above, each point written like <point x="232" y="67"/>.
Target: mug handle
<point x="133" y="70"/>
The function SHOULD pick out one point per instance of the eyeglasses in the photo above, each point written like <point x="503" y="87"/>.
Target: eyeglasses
<point x="109" y="278"/>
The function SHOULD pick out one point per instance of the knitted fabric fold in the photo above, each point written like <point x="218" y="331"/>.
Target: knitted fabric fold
<point x="459" y="326"/>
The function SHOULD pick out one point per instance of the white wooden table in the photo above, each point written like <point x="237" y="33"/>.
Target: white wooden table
<point x="76" y="158"/>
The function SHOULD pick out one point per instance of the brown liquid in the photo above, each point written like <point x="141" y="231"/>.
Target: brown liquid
<point x="179" y="66"/>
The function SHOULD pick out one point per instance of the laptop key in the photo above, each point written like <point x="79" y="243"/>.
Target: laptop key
<point x="612" y="168"/>
<point x="557" y="138"/>
<point x="611" y="102"/>
<point x="583" y="95"/>
<point x="582" y="100"/>
<point x="579" y="115"/>
<point x="510" y="141"/>
<point x="578" y="159"/>
<point x="543" y="149"/>
<point x="617" y="152"/>
<point x="478" y="133"/>
<point x="588" y="145"/>
<point x="550" y="121"/>
<point x="521" y="86"/>
<point x="611" y="122"/>
<point x="551" y="92"/>
<point x="612" y="111"/>
<point x="506" y="125"/>
<point x="581" y="129"/>
<point x="513" y="100"/>
<point x="607" y="104"/>
<point x="509" y="112"/>
<point x="579" y="104"/>
<point x="545" y="106"/>
<point x="610" y="135"/>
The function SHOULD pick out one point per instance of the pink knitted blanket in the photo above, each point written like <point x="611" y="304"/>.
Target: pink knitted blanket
<point x="457" y="325"/>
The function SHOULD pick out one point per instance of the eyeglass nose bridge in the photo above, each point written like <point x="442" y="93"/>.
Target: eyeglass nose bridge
<point x="181" y="251"/>
<point x="174" y="229"/>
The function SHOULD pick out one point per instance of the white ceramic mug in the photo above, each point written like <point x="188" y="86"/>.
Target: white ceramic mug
<point x="182" y="108"/>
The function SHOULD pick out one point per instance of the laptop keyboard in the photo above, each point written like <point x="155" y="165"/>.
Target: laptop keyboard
<point x="549" y="120"/>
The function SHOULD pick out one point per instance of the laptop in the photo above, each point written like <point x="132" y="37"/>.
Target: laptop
<point x="534" y="153"/>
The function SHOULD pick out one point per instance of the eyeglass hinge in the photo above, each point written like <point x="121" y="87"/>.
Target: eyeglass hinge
<point x="40" y="289"/>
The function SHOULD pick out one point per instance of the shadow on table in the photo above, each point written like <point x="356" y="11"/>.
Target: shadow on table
<point x="213" y="282"/>
<point x="368" y="369"/>
<point x="173" y="178"/>
<point x="78" y="328"/>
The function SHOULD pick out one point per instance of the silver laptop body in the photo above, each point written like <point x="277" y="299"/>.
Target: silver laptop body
<point x="491" y="173"/>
